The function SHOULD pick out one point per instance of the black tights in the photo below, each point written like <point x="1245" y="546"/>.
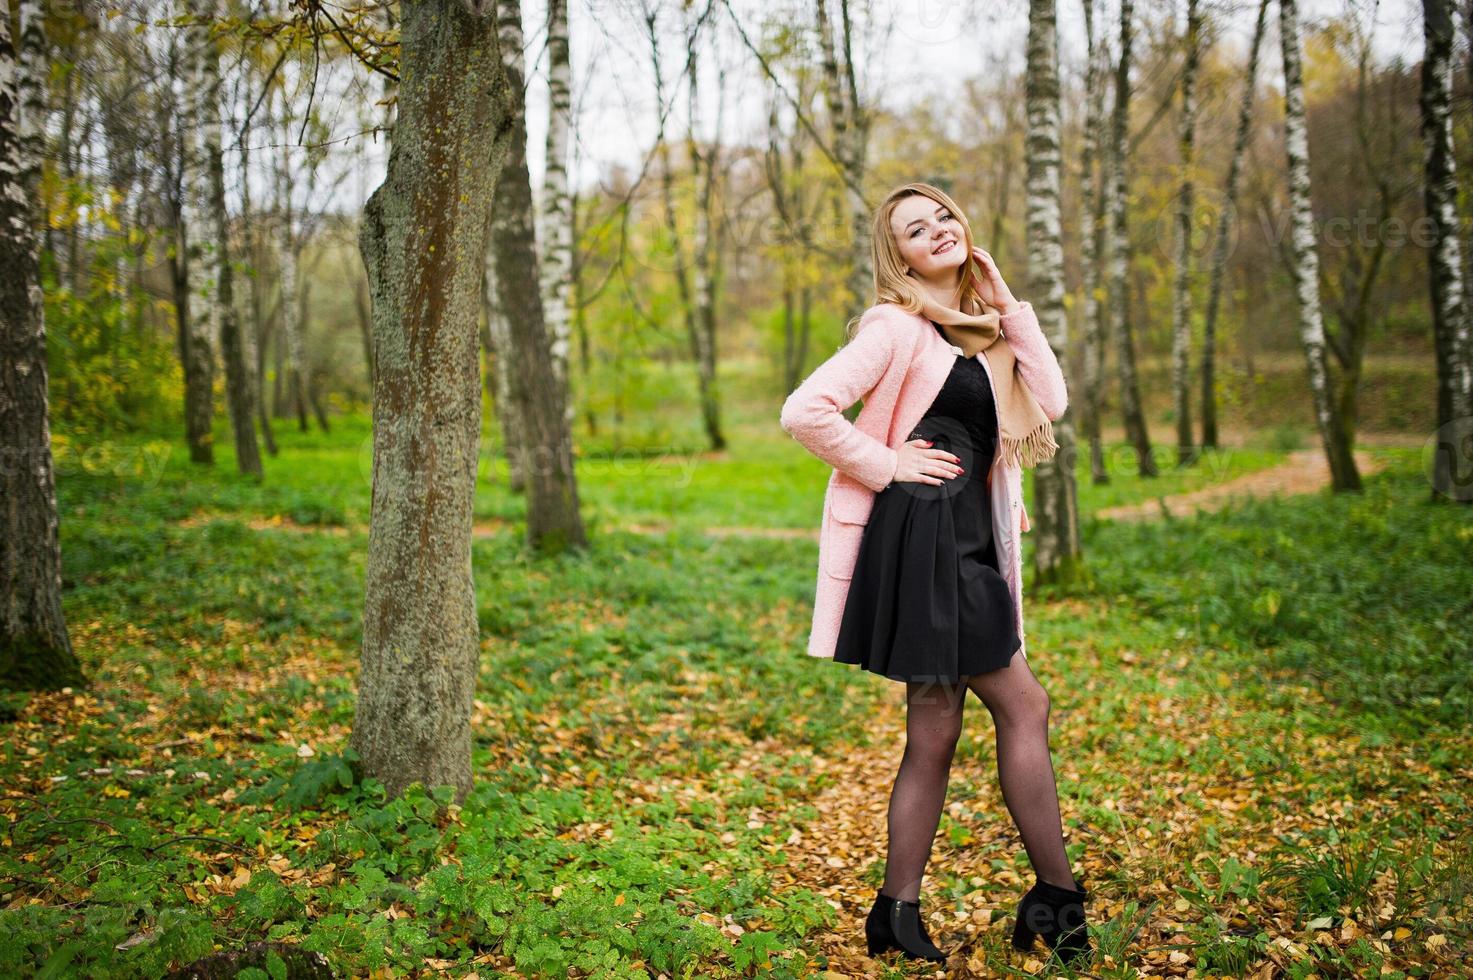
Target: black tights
<point x="933" y="723"/>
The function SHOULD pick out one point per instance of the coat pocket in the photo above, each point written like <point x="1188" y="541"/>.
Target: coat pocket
<point x="841" y="548"/>
<point x="846" y="512"/>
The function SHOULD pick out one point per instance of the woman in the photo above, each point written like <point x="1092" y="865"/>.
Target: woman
<point x="920" y="568"/>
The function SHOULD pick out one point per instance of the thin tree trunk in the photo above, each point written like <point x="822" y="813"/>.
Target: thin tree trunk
<point x="706" y="251"/>
<point x="667" y="189"/>
<point x="1092" y="241"/>
<point x="1224" y="223"/>
<point x="196" y="355"/>
<point x="556" y="236"/>
<point x="234" y="336"/>
<point x="1056" y="546"/>
<point x="1130" y="399"/>
<point x="365" y="324"/>
<point x="1452" y="340"/>
<point x="423" y="240"/>
<point x="1354" y="302"/>
<point x="35" y="650"/>
<point x="498" y="345"/>
<point x="1305" y="263"/>
<point x="554" y="524"/>
<point x="850" y="123"/>
<point x="1181" y="309"/>
<point x="288" y="260"/>
<point x="580" y="322"/>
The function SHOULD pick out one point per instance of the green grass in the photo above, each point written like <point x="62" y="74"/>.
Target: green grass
<point x="1259" y="727"/>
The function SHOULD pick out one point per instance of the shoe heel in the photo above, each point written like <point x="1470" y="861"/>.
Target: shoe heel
<point x="1022" y="936"/>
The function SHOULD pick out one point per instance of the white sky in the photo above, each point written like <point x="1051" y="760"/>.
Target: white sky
<point x="906" y="50"/>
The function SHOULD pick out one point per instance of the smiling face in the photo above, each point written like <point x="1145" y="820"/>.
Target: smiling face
<point x="930" y="239"/>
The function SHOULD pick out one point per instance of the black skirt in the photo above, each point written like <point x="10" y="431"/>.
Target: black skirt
<point x="928" y="601"/>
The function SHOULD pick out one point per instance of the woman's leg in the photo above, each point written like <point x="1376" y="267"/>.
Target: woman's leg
<point x="933" y="723"/>
<point x="1020" y="709"/>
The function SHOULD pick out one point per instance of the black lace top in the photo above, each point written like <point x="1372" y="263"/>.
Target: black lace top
<point x="967" y="397"/>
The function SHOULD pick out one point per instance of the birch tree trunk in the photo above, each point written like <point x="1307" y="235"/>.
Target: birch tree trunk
<point x="1056" y="548"/>
<point x="235" y="338"/>
<point x="1304" y="263"/>
<point x="1450" y="312"/>
<point x="35" y="650"/>
<point x="1224" y="224"/>
<point x="1130" y="398"/>
<point x="554" y="524"/>
<point x="1092" y="243"/>
<point x="192" y="313"/>
<point x="423" y="240"/>
<point x="556" y="234"/>
<point x="1181" y="309"/>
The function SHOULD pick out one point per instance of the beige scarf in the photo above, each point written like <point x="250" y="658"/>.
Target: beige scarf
<point x="1027" y="433"/>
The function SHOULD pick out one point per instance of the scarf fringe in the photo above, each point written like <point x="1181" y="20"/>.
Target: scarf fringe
<point x="1032" y="449"/>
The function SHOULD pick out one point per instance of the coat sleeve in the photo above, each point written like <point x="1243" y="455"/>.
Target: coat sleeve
<point x="813" y="415"/>
<point x="1036" y="361"/>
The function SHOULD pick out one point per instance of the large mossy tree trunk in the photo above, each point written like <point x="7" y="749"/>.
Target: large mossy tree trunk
<point x="423" y="242"/>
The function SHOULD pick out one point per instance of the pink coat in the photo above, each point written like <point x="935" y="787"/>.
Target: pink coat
<point x="897" y="363"/>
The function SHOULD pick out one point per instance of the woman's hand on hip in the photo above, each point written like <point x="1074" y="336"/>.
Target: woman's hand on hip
<point x="919" y="463"/>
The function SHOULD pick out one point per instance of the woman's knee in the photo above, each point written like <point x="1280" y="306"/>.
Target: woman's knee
<point x="1015" y="699"/>
<point x="934" y="743"/>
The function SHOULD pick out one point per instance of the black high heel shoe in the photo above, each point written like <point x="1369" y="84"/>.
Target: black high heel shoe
<point x="1056" y="914"/>
<point x="894" y="923"/>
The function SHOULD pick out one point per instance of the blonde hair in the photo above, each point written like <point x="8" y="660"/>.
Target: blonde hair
<point x="891" y="284"/>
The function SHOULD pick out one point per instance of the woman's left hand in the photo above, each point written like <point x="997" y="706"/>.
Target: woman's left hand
<point x="990" y="286"/>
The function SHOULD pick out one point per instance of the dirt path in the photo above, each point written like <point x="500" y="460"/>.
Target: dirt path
<point x="1303" y="471"/>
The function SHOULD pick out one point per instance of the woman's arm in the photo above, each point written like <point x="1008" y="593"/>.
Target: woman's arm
<point x="813" y="413"/>
<point x="1036" y="360"/>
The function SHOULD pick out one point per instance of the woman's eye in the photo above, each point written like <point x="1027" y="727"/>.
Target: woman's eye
<point x="945" y="216"/>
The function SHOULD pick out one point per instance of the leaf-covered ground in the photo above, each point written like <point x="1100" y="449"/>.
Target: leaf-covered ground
<point x="1260" y="731"/>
